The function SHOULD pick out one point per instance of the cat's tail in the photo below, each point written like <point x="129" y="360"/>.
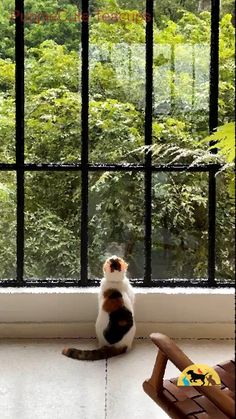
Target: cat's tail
<point x="95" y="354"/>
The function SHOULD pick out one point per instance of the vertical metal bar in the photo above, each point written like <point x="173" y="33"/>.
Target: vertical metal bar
<point x="213" y="123"/>
<point x="148" y="142"/>
<point x="84" y="144"/>
<point x="19" y="91"/>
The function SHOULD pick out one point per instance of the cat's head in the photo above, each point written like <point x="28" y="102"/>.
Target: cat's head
<point x="115" y="268"/>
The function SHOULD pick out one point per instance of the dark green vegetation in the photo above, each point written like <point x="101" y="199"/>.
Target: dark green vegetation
<point x="117" y="100"/>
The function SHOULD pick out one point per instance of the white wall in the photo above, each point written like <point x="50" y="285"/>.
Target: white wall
<point x="72" y="312"/>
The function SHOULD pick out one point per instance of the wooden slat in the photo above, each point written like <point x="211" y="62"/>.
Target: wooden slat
<point x="202" y="416"/>
<point x="210" y="408"/>
<point x="228" y="366"/>
<point x="188" y="407"/>
<point x="226" y="378"/>
<point x="177" y="392"/>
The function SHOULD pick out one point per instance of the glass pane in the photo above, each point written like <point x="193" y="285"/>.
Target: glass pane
<point x="225" y="222"/>
<point x="117" y="80"/>
<point x="227" y="63"/>
<point x="225" y="230"/>
<point x="181" y="79"/>
<point x="180" y="225"/>
<point x="7" y="82"/>
<point x="7" y="225"/>
<point x="53" y="100"/>
<point x="52" y="221"/>
<point x="116" y="215"/>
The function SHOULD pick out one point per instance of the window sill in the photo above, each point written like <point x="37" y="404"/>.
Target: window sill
<point x="63" y="312"/>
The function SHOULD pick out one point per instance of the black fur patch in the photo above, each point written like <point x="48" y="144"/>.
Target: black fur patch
<point x="115" y="265"/>
<point x="115" y="294"/>
<point x="120" y="322"/>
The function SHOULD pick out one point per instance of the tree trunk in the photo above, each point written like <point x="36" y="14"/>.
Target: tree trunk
<point x="204" y="5"/>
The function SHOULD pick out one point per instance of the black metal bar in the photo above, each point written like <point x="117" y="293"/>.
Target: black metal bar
<point x="212" y="228"/>
<point x="214" y="65"/>
<point x="213" y="123"/>
<point x="148" y="142"/>
<point x="48" y="167"/>
<point x="170" y="283"/>
<point x="5" y="167"/>
<point x="84" y="144"/>
<point x="19" y="59"/>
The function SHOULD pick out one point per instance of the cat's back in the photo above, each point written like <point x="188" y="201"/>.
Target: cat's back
<point x="115" y="322"/>
<point x="121" y="292"/>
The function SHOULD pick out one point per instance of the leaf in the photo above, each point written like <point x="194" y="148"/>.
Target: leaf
<point x="225" y="141"/>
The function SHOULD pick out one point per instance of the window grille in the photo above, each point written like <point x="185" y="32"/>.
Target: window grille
<point x="85" y="167"/>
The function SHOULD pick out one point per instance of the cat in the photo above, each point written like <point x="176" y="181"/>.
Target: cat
<point x="115" y="325"/>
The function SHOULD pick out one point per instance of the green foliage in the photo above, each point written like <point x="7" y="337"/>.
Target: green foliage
<point x="117" y="217"/>
<point x="180" y="207"/>
<point x="7" y="76"/>
<point x="58" y="21"/>
<point x="51" y="248"/>
<point x="224" y="139"/>
<point x="115" y="130"/>
<point x="167" y="10"/>
<point x="7" y="29"/>
<point x="116" y="134"/>
<point x="61" y="68"/>
<point x="7" y="225"/>
<point x="53" y="126"/>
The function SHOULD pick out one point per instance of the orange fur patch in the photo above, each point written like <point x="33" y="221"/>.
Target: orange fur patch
<point x="109" y="292"/>
<point x="107" y="265"/>
<point x="112" y="305"/>
<point x="112" y="300"/>
<point x="124" y="265"/>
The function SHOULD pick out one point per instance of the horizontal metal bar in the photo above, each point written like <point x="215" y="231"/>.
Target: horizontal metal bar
<point x="4" y="167"/>
<point x="125" y="167"/>
<point x="37" y="283"/>
<point x="167" y="283"/>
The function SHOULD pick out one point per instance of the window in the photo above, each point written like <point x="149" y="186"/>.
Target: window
<point x="92" y="94"/>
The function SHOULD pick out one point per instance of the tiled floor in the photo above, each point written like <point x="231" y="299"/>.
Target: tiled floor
<point x="37" y="382"/>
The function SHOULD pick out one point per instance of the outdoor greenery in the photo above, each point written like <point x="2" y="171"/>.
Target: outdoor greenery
<point x="117" y="112"/>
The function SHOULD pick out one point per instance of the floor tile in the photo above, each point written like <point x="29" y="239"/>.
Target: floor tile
<point x="37" y="382"/>
<point x="125" y="396"/>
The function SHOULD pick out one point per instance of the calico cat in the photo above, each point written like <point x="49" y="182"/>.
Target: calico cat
<point x="115" y="326"/>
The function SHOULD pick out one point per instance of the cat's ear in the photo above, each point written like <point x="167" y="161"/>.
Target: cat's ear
<point x="124" y="265"/>
<point x="106" y="266"/>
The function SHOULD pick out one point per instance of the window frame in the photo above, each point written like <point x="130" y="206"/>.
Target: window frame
<point x="148" y="168"/>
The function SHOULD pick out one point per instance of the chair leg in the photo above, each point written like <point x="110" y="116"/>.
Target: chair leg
<point x="156" y="380"/>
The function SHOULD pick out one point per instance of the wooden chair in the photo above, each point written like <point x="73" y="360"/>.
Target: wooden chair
<point x="189" y="402"/>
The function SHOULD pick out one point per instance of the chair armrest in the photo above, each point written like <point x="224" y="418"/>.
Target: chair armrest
<point x="171" y="350"/>
<point x="181" y="361"/>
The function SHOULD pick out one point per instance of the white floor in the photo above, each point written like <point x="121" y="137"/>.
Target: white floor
<point x="37" y="382"/>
